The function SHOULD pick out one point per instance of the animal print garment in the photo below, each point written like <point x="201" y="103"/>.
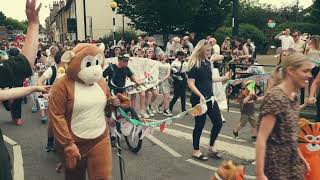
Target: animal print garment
<point x="282" y="161"/>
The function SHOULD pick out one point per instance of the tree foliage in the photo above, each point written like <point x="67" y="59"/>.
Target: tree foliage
<point x="169" y="16"/>
<point x="246" y="31"/>
<point x="12" y="24"/>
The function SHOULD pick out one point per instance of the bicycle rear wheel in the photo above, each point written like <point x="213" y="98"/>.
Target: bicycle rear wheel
<point x="134" y="143"/>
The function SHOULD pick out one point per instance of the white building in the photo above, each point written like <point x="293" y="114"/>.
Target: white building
<point x="98" y="19"/>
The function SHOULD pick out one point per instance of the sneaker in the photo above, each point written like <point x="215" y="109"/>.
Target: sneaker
<point x="152" y="109"/>
<point x="18" y="122"/>
<point x="236" y="134"/>
<point x="34" y="109"/>
<point x="144" y="115"/>
<point x="167" y="112"/>
<point x="113" y="141"/>
<point x="44" y="120"/>
<point x="50" y="146"/>
<point x="160" y="108"/>
<point x="139" y="116"/>
<point x="150" y="112"/>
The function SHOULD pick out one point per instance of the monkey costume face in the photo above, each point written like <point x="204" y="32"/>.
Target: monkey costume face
<point x="85" y="63"/>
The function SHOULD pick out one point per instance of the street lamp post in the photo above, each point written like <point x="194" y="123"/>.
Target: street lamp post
<point x="235" y="19"/>
<point x="85" y="19"/>
<point x="114" y="6"/>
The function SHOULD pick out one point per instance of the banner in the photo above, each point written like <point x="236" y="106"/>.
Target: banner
<point x="144" y="69"/>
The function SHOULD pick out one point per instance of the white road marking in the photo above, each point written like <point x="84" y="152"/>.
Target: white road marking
<point x="18" y="172"/>
<point x="239" y="151"/>
<point x="164" y="146"/>
<point x="212" y="167"/>
<point x="9" y="141"/>
<point x="207" y="132"/>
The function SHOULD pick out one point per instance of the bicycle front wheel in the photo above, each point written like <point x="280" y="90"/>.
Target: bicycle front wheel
<point x="134" y="143"/>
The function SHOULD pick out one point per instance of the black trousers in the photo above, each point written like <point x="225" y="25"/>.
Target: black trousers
<point x="179" y="91"/>
<point x="5" y="164"/>
<point x="215" y="117"/>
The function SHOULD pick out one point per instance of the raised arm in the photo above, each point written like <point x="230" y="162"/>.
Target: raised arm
<point x="15" y="93"/>
<point x="29" y="50"/>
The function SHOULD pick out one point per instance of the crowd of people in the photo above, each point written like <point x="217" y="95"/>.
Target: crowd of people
<point x="185" y="65"/>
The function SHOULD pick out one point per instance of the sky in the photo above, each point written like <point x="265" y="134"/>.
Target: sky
<point x="16" y="8"/>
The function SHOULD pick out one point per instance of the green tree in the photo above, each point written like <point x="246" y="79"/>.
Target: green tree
<point x="13" y="24"/>
<point x="315" y="12"/>
<point x="246" y="31"/>
<point x="3" y="19"/>
<point x="169" y="16"/>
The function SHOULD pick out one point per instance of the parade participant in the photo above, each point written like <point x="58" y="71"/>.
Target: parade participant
<point x="50" y="59"/>
<point x="247" y="98"/>
<point x="77" y="104"/>
<point x="19" y="68"/>
<point x="200" y="83"/>
<point x="49" y="77"/>
<point x="285" y="38"/>
<point x="116" y="75"/>
<point x="137" y="52"/>
<point x="179" y="69"/>
<point x="277" y="151"/>
<point x="164" y="86"/>
<point x="150" y="106"/>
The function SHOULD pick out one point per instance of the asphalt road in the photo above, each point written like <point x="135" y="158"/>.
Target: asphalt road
<point x="164" y="156"/>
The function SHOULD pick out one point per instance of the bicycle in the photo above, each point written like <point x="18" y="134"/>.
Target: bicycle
<point x="133" y="141"/>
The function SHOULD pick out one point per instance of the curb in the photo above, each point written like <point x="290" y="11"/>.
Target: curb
<point x="18" y="171"/>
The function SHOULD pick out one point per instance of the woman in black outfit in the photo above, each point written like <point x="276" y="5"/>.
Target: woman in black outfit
<point x="200" y="83"/>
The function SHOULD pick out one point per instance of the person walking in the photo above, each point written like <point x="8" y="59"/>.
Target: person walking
<point x="277" y="153"/>
<point x="200" y="83"/>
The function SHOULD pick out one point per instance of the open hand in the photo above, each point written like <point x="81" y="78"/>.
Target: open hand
<point x="32" y="11"/>
<point x="42" y="89"/>
<point x="72" y="156"/>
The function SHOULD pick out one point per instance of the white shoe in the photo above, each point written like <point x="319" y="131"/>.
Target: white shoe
<point x="152" y="109"/>
<point x="160" y="109"/>
<point x="150" y="112"/>
<point x="144" y="115"/>
<point x="167" y="112"/>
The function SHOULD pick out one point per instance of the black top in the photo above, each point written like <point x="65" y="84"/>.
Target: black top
<point x="14" y="70"/>
<point x="117" y="75"/>
<point x="203" y="80"/>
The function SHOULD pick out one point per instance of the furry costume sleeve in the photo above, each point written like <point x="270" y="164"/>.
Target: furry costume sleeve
<point x="58" y="113"/>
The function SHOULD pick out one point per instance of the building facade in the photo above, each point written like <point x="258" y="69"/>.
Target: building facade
<point x="97" y="24"/>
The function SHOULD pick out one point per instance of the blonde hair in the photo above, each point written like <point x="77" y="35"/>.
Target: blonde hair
<point x="316" y="41"/>
<point x="294" y="60"/>
<point x="196" y="56"/>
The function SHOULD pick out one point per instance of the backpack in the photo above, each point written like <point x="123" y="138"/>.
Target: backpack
<point x="54" y="75"/>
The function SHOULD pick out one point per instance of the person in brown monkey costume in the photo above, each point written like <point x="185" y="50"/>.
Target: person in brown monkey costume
<point x="77" y="106"/>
